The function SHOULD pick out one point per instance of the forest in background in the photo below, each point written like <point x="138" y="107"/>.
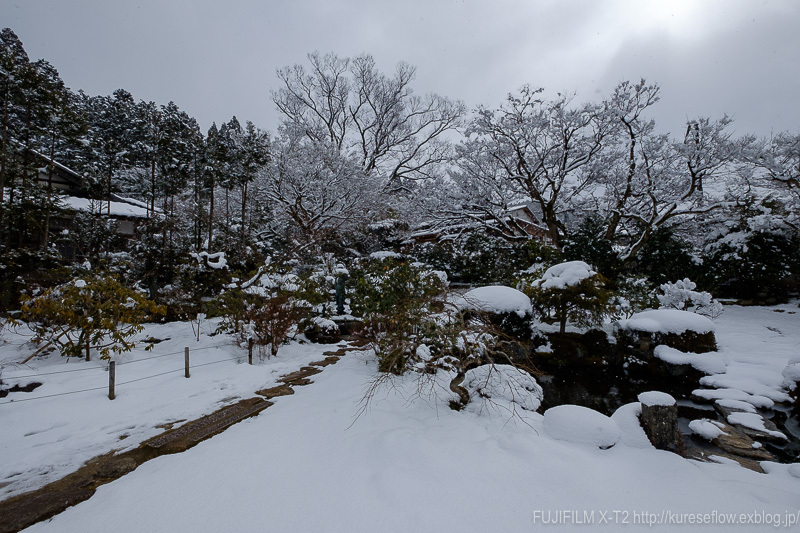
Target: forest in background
<point x="360" y="161"/>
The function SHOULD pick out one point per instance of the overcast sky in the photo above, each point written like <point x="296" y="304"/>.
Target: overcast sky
<point x="216" y="59"/>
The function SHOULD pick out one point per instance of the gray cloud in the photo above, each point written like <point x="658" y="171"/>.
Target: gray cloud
<point x="218" y="60"/>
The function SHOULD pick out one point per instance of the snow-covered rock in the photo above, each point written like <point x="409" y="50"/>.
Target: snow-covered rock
<point x="708" y="363"/>
<point x="574" y="423"/>
<point x="667" y="321"/>
<point x="565" y="275"/>
<point x="496" y="299"/>
<point x="792" y="371"/>
<point x="504" y="383"/>
<point x="652" y="398"/>
<point x="708" y="429"/>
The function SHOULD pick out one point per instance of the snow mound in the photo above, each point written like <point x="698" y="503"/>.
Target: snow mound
<point x="631" y="432"/>
<point x="574" y="423"/>
<point x="667" y="321"/>
<point x="496" y="299"/>
<point x="792" y="371"/>
<point x="652" y="398"/>
<point x="504" y="383"/>
<point x="708" y="429"/>
<point x="708" y="363"/>
<point x="565" y="275"/>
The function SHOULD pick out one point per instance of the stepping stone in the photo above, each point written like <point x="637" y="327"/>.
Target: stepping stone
<point x="737" y="443"/>
<point x="193" y="432"/>
<point x="274" y="392"/>
<point x="300" y="377"/>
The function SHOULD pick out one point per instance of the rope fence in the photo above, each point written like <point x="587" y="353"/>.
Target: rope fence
<point x="111" y="370"/>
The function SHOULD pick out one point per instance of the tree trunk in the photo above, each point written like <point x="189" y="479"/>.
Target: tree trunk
<point x="211" y="217"/>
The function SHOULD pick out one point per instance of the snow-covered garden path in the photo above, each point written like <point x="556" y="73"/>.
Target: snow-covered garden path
<point x="411" y="464"/>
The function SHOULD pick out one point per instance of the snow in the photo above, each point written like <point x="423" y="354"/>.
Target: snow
<point x="44" y="438"/>
<point x="631" y="432"/>
<point x="708" y="363"/>
<point x="740" y="405"/>
<point x="792" y="371"/>
<point x="119" y="209"/>
<point x="656" y="398"/>
<point x="753" y="421"/>
<point x="708" y="429"/>
<point x="385" y="254"/>
<point x="325" y="324"/>
<point x="734" y="394"/>
<point x="581" y="425"/>
<point x="667" y="321"/>
<point x="315" y="461"/>
<point x="502" y="387"/>
<point x="565" y="275"/>
<point x="215" y="261"/>
<point x="495" y="299"/>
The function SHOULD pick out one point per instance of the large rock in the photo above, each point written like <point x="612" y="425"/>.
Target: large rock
<point x="660" y="420"/>
<point x="682" y="330"/>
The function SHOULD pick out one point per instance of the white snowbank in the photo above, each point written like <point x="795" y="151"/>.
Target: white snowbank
<point x="656" y="398"/>
<point x="504" y="383"/>
<point x="631" y="432"/>
<point x="565" y="275"/>
<point x="792" y="370"/>
<point x="667" y="321"/>
<point x="495" y="299"/>
<point x="578" y="424"/>
<point x="708" y="363"/>
<point x="708" y="429"/>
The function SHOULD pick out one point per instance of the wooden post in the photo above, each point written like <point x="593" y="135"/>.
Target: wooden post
<point x="186" y="362"/>
<point x="111" y="374"/>
<point x="250" y="350"/>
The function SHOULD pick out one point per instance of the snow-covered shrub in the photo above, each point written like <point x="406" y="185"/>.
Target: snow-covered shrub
<point x="502" y="386"/>
<point x="682" y="295"/>
<point x="507" y="308"/>
<point x="569" y="291"/>
<point x="266" y="308"/>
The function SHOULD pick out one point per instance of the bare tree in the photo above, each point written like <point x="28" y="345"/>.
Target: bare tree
<point x="536" y="150"/>
<point x="353" y="108"/>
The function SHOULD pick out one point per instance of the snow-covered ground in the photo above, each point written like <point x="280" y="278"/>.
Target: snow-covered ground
<point x="408" y="463"/>
<point x="46" y="435"/>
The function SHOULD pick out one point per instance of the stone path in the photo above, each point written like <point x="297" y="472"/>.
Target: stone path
<point x="24" y="510"/>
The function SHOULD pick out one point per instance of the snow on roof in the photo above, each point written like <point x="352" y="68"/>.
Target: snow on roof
<point x="495" y="299"/>
<point x="565" y="275"/>
<point x="667" y="321"/>
<point x="117" y="208"/>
